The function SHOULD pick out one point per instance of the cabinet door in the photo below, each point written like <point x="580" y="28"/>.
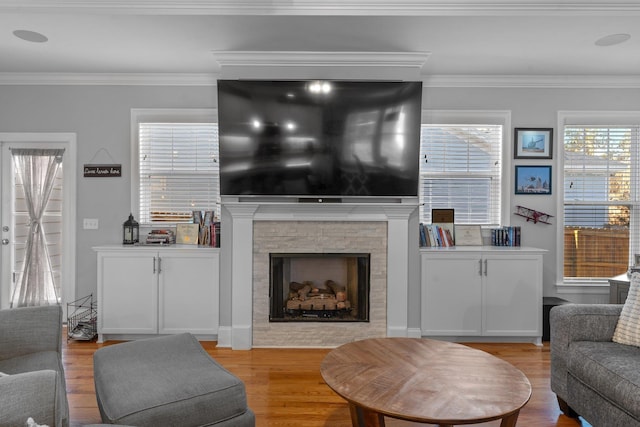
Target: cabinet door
<point x="451" y="294"/>
<point x="189" y="292"/>
<point x="127" y="293"/>
<point x="513" y="295"/>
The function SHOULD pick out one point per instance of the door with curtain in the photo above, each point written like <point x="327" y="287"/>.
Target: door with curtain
<point x="32" y="224"/>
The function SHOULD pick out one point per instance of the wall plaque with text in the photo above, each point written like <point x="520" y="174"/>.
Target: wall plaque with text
<point x="102" y="171"/>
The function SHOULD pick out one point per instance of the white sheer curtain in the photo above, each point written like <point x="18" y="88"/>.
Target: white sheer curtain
<point x="37" y="169"/>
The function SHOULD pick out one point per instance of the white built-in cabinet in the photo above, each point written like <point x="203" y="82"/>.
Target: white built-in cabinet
<point x="483" y="292"/>
<point x="155" y="290"/>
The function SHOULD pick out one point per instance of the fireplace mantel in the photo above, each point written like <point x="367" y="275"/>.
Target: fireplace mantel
<point x="238" y="221"/>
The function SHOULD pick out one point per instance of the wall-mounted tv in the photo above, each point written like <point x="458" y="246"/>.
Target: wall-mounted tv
<point x="311" y="138"/>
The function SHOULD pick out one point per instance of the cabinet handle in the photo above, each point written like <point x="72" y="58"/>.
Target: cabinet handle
<point x="486" y="266"/>
<point x="159" y="265"/>
<point x="154" y="265"/>
<point x="479" y="267"/>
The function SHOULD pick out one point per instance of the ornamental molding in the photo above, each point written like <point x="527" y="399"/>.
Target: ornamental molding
<point x="429" y="81"/>
<point x="327" y="7"/>
<point x="320" y="59"/>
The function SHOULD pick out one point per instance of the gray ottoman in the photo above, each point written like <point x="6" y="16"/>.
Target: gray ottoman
<point x="167" y="381"/>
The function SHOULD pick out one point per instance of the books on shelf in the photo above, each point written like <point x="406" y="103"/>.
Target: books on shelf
<point x="506" y="236"/>
<point x="208" y="228"/>
<point x="439" y="235"/>
<point x="440" y="232"/>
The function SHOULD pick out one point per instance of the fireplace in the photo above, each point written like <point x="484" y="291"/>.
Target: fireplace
<point x="256" y="230"/>
<point x="319" y="287"/>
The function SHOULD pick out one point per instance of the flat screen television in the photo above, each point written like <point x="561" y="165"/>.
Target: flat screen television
<point x="310" y="138"/>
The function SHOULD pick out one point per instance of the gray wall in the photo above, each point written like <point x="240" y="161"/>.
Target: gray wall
<point x="100" y="116"/>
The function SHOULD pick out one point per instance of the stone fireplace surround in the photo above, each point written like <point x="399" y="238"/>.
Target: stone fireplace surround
<point x="255" y="228"/>
<point x="318" y="237"/>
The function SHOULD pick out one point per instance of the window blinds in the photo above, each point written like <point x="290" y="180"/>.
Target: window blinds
<point x="179" y="171"/>
<point x="601" y="199"/>
<point x="460" y="168"/>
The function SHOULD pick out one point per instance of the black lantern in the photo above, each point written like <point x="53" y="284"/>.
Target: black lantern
<point x="130" y="230"/>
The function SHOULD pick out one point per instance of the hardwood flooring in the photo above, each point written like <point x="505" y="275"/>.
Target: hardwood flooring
<point x="285" y="389"/>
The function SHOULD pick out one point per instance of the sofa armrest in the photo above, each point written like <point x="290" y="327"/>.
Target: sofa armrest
<point x="583" y="322"/>
<point x="577" y="322"/>
<point x="28" y="330"/>
<point x="30" y="394"/>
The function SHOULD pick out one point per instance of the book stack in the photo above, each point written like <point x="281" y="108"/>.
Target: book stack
<point x="161" y="237"/>
<point x="506" y="236"/>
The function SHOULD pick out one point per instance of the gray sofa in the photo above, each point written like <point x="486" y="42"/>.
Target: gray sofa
<point x="592" y="376"/>
<point x="30" y="355"/>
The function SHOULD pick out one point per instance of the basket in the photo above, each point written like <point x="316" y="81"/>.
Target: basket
<point x="82" y="320"/>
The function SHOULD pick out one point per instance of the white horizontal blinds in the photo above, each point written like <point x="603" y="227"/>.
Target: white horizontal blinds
<point x="601" y="202"/>
<point x="460" y="168"/>
<point x="179" y="171"/>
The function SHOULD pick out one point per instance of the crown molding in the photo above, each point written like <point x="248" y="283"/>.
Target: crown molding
<point x="532" y="81"/>
<point x="433" y="81"/>
<point x="320" y="59"/>
<point x="328" y="7"/>
<point x="109" y="79"/>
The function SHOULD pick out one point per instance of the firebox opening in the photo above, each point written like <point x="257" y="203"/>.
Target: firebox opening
<point x="331" y="287"/>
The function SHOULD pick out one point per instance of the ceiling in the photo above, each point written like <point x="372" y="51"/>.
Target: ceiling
<point x="474" y="38"/>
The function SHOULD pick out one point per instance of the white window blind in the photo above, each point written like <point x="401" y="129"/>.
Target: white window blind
<point x="601" y="203"/>
<point x="460" y="168"/>
<point x="179" y="171"/>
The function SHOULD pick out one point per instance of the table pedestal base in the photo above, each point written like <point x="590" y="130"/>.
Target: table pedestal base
<point x="362" y="417"/>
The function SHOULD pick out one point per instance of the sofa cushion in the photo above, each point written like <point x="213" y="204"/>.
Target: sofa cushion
<point x="32" y="362"/>
<point x="169" y="381"/>
<point x="35" y="390"/>
<point x="43" y="360"/>
<point x="628" y="326"/>
<point x="610" y="369"/>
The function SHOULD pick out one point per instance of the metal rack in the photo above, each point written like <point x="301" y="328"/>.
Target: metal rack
<point x="82" y="319"/>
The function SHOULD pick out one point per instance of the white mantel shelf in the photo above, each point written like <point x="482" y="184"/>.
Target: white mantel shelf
<point x="322" y="211"/>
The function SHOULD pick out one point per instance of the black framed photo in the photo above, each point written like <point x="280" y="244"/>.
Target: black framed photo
<point x="533" y="143"/>
<point x="533" y="179"/>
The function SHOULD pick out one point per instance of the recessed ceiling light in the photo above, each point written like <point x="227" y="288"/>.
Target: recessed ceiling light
<point x="613" y="39"/>
<point x="30" y="36"/>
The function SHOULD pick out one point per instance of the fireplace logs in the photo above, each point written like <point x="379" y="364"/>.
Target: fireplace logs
<point x="308" y="297"/>
<point x="300" y="292"/>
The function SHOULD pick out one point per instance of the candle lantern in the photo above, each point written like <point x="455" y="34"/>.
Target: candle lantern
<point x="130" y="231"/>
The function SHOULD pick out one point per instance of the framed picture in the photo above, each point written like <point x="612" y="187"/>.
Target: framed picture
<point x="533" y="179"/>
<point x="187" y="234"/>
<point x="468" y="235"/>
<point x="533" y="143"/>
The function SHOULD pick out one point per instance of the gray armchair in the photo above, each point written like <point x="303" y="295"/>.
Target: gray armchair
<point x="30" y="355"/>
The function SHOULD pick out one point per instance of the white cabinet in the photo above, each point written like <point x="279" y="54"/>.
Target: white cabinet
<point x="146" y="290"/>
<point x="482" y="292"/>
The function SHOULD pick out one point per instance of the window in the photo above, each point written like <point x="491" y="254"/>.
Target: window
<point x="177" y="167"/>
<point x="461" y="168"/>
<point x="601" y="199"/>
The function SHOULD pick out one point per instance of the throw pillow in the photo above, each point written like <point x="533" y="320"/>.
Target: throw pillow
<point x="628" y="326"/>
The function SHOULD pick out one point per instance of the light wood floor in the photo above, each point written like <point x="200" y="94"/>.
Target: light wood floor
<point x="285" y="389"/>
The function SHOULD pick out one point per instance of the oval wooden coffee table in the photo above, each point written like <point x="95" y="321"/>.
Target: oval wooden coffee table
<point x="426" y="381"/>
